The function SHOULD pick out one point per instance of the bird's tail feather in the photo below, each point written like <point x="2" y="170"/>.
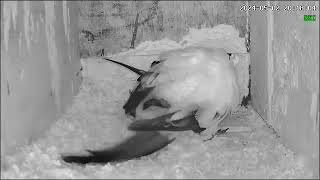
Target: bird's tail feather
<point x="141" y="144"/>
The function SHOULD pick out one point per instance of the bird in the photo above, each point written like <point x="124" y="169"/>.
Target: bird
<point x="185" y="80"/>
<point x="193" y="88"/>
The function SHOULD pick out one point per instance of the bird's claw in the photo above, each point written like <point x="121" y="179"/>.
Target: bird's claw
<point x="209" y="136"/>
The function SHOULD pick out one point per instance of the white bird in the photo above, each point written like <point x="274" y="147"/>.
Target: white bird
<point x="187" y="89"/>
<point x="192" y="79"/>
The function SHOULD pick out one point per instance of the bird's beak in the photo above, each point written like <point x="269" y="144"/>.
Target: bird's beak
<point x="163" y="123"/>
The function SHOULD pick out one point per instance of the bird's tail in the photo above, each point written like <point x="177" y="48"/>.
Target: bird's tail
<point x="141" y="144"/>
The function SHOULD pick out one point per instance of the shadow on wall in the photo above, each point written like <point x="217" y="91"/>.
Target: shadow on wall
<point x="39" y="65"/>
<point x="120" y="25"/>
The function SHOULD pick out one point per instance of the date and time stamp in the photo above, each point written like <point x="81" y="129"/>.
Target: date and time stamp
<point x="287" y="8"/>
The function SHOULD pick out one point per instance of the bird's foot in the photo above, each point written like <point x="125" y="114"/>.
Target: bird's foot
<point x="221" y="131"/>
<point x="209" y="134"/>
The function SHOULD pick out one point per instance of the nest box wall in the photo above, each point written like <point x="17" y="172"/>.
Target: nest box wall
<point x="285" y="74"/>
<point x="39" y="67"/>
